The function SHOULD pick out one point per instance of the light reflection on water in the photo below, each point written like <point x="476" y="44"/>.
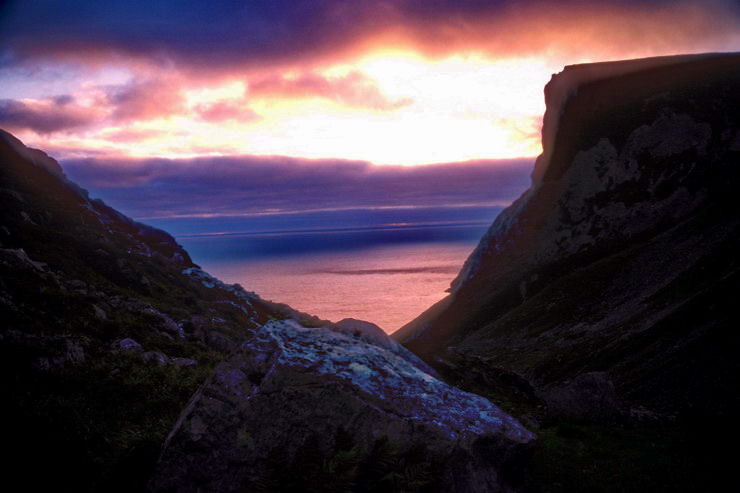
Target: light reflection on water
<point x="386" y="284"/>
<point x="386" y="271"/>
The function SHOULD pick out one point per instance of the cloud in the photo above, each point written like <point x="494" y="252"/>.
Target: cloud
<point x="439" y="269"/>
<point x="353" y="89"/>
<point x="206" y="34"/>
<point x="251" y="185"/>
<point x="222" y="34"/>
<point x="46" y="116"/>
<point x="138" y="100"/>
<point x="63" y="100"/>
<point x="131" y="135"/>
<point x="145" y="100"/>
<point x="231" y="109"/>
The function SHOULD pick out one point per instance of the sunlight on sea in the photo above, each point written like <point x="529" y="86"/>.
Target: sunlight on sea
<point x="386" y="285"/>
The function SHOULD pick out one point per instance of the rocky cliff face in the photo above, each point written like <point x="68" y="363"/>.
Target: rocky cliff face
<point x="622" y="256"/>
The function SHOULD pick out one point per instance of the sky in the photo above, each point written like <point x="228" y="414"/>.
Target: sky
<point x="207" y="112"/>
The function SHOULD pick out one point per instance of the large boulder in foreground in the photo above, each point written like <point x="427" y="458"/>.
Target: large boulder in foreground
<point x="290" y="394"/>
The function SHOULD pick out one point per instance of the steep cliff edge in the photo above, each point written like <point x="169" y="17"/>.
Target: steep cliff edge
<point x="622" y="256"/>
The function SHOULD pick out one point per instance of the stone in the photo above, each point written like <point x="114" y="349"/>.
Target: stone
<point x="54" y="352"/>
<point x="165" y="324"/>
<point x="289" y="384"/>
<point x="18" y="258"/>
<point x="126" y="345"/>
<point x="155" y="357"/>
<point x="27" y="218"/>
<point x="183" y="362"/>
<point x="64" y="351"/>
<point x="219" y="342"/>
<point x="372" y="334"/>
<point x="74" y="352"/>
<point x="77" y="286"/>
<point x="100" y="313"/>
<point x="590" y="397"/>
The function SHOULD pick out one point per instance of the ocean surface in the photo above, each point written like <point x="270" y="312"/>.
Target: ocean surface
<point x="385" y="274"/>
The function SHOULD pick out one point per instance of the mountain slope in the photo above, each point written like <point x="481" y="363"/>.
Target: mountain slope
<point x="106" y="329"/>
<point x="621" y="257"/>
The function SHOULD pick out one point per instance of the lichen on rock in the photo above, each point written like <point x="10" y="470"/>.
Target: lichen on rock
<point x="289" y="383"/>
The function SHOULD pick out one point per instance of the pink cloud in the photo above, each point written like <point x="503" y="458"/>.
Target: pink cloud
<point x="353" y="89"/>
<point x="231" y="109"/>
<point x="145" y="100"/>
<point x="133" y="135"/>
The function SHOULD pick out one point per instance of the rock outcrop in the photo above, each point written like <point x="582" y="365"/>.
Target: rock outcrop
<point x="590" y="397"/>
<point x="372" y="334"/>
<point x="289" y="385"/>
<point x="621" y="256"/>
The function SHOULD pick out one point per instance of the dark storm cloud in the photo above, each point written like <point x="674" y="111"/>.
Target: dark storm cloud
<point x="228" y="32"/>
<point x="224" y="186"/>
<point x="208" y="33"/>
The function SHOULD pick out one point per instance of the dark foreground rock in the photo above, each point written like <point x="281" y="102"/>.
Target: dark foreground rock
<point x="590" y="397"/>
<point x="290" y="386"/>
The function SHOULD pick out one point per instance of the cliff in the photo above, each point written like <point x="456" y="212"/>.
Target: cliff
<point x="621" y="257"/>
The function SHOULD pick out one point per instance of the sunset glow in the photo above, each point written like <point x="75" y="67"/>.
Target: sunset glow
<point x="421" y="89"/>
<point x="385" y="107"/>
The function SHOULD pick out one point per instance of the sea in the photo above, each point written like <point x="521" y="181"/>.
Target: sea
<point x="385" y="273"/>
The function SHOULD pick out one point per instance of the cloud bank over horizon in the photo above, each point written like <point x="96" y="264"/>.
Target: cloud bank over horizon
<point x="249" y="186"/>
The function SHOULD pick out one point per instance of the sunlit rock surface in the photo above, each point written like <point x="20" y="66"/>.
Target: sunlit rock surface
<point x="290" y="383"/>
<point x="564" y="85"/>
<point x="372" y="334"/>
